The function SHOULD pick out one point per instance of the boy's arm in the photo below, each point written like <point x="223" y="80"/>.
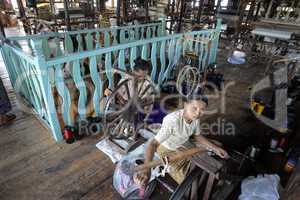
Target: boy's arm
<point x="206" y="143"/>
<point x="144" y="176"/>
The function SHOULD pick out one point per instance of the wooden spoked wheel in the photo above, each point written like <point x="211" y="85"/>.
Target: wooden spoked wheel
<point x="130" y="101"/>
<point x="188" y="80"/>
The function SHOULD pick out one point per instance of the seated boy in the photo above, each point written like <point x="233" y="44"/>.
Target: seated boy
<point x="177" y="128"/>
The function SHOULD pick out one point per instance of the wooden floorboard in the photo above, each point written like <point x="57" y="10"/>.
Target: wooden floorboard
<point x="34" y="166"/>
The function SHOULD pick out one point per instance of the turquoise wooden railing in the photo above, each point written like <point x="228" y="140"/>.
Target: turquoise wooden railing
<point x="88" y="39"/>
<point x="36" y="76"/>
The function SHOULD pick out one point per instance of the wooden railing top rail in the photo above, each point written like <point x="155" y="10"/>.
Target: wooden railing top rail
<point x="61" y="34"/>
<point x="80" y="55"/>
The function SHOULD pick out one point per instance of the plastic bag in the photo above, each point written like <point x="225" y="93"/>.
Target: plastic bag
<point x="264" y="187"/>
<point x="123" y="179"/>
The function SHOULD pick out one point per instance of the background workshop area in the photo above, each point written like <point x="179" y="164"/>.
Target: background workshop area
<point x="150" y="99"/>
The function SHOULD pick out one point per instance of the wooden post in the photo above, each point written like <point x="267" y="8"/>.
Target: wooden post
<point x="67" y="17"/>
<point x="118" y="11"/>
<point x="2" y="31"/>
<point x="200" y="8"/>
<point x="46" y="89"/>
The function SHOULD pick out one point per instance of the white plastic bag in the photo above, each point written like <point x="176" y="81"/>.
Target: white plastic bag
<point x="263" y="187"/>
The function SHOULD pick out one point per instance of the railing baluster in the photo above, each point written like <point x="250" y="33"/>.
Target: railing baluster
<point x="21" y="77"/>
<point x="89" y="41"/>
<point x="106" y="39"/>
<point x="79" y="41"/>
<point x="145" y="52"/>
<point x="95" y="75"/>
<point x="153" y="31"/>
<point x="108" y="69"/>
<point x="122" y="37"/>
<point x="68" y="44"/>
<point x="162" y="61"/>
<point x="63" y="91"/>
<point x="201" y="52"/>
<point x="148" y="33"/>
<point x="171" y="63"/>
<point x="80" y="84"/>
<point x="205" y="52"/>
<point x="46" y="48"/>
<point x="121" y="59"/>
<point x="58" y="49"/>
<point x="133" y="56"/>
<point x="154" y="61"/>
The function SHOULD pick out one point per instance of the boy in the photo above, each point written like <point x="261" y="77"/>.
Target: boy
<point x="177" y="128"/>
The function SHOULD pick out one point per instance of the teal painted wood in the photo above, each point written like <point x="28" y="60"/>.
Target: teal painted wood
<point x="145" y="52"/>
<point x="85" y="31"/>
<point x="154" y="60"/>
<point x="133" y="56"/>
<point x="153" y="31"/>
<point x="37" y="89"/>
<point x="98" y="40"/>
<point x="106" y="39"/>
<point x="98" y="93"/>
<point x="163" y="30"/>
<point x="64" y="93"/>
<point x="98" y="45"/>
<point x="205" y="55"/>
<point x="46" y="89"/>
<point x="58" y="48"/>
<point x="122" y="37"/>
<point x="178" y="51"/>
<point x="80" y="43"/>
<point x="142" y="33"/>
<point x="46" y="48"/>
<point x="89" y="42"/>
<point x="22" y="81"/>
<point x="29" y="74"/>
<point x="80" y="84"/>
<point x="108" y="69"/>
<point x="68" y="44"/>
<point x="148" y="32"/>
<point x="162" y="61"/>
<point x="136" y="33"/>
<point x="196" y="49"/>
<point x="114" y="35"/>
<point x="121" y="60"/>
<point x="115" y="42"/>
<point x="215" y="42"/>
<point x="131" y="35"/>
<point x="201" y="51"/>
<point x="153" y="48"/>
<point x="171" y="51"/>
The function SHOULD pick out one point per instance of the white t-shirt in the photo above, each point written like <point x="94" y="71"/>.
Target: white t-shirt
<point x="175" y="131"/>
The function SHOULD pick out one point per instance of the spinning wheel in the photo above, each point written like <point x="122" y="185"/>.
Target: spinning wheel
<point x="127" y="108"/>
<point x="188" y="80"/>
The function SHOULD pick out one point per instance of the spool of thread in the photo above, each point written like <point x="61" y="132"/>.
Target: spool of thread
<point x="69" y="135"/>
<point x="290" y="165"/>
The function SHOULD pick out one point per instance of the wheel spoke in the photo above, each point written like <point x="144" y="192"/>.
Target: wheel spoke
<point x="127" y="91"/>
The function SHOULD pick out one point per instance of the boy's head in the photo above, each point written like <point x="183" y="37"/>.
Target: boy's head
<point x="141" y="67"/>
<point x="194" y="106"/>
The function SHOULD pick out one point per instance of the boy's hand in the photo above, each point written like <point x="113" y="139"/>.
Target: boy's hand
<point x="107" y="92"/>
<point x="221" y="153"/>
<point x="142" y="178"/>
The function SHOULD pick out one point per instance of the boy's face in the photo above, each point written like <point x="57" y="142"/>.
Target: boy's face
<point x="194" y="109"/>
<point x="140" y="74"/>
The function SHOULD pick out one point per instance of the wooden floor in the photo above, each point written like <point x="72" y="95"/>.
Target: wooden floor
<point x="34" y="166"/>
